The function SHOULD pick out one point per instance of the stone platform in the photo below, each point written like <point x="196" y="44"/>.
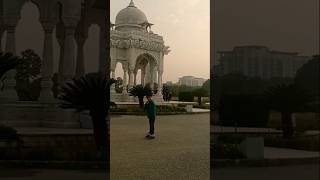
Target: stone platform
<point x="37" y="114"/>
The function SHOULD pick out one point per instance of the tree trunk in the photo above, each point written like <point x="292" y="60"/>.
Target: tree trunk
<point x="100" y="133"/>
<point x="287" y="125"/>
<point x="140" y="102"/>
<point x="199" y="100"/>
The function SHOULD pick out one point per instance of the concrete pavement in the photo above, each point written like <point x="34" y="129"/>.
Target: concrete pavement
<point x="285" y="153"/>
<point x="51" y="174"/>
<point x="180" y="151"/>
<point x="301" y="172"/>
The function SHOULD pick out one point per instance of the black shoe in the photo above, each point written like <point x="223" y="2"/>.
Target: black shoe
<point x="151" y="136"/>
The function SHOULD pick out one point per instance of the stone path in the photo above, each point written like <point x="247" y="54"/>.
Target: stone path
<point x="30" y="130"/>
<point x="51" y="174"/>
<point x="198" y="110"/>
<point x="284" y="153"/>
<point x="301" y="172"/>
<point x="180" y="151"/>
<point x="225" y="129"/>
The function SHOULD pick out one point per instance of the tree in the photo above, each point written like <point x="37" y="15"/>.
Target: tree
<point x="166" y="93"/>
<point x="90" y="92"/>
<point x="308" y="78"/>
<point x="7" y="62"/>
<point x="140" y="91"/>
<point x="199" y="93"/>
<point x="206" y="85"/>
<point x="287" y="99"/>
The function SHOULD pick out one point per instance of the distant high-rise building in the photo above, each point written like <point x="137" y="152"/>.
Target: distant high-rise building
<point x="259" y="61"/>
<point x="191" y="81"/>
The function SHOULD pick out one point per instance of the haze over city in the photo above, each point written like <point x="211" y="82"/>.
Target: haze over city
<point x="185" y="27"/>
<point x="286" y="25"/>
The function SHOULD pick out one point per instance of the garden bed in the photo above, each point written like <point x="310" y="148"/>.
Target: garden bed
<point x="307" y="143"/>
<point x="161" y="110"/>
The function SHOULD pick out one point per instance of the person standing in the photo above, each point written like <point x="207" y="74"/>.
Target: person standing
<point x="151" y="109"/>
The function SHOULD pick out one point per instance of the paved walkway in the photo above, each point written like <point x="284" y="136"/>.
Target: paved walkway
<point x="180" y="151"/>
<point x="284" y="153"/>
<point x="229" y="129"/>
<point x="302" y="172"/>
<point x="50" y="174"/>
<point x="198" y="110"/>
<point x="39" y="130"/>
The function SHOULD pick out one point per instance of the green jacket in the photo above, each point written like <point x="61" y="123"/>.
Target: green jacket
<point x="151" y="109"/>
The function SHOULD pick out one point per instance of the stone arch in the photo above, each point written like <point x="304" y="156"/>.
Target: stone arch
<point x="147" y="64"/>
<point x="29" y="36"/>
<point x="119" y="70"/>
<point x="146" y="58"/>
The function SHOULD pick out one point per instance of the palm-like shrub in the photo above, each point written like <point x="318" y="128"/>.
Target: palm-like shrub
<point x="140" y="91"/>
<point x="119" y="85"/>
<point x="28" y="76"/>
<point x="287" y="99"/>
<point x="7" y="62"/>
<point x="90" y="92"/>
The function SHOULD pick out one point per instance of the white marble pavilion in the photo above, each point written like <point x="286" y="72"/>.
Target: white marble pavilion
<point x="136" y="47"/>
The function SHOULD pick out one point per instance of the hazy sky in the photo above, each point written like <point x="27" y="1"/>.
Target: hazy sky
<point x="284" y="25"/>
<point x="185" y="26"/>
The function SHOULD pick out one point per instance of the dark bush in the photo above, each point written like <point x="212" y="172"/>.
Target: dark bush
<point x="243" y="110"/>
<point x="8" y="132"/>
<point x="307" y="143"/>
<point x="186" y="96"/>
<point x="226" y="151"/>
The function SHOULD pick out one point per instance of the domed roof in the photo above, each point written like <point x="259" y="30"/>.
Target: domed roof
<point x="131" y="15"/>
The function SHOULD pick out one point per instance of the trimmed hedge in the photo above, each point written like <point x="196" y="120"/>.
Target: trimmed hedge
<point x="243" y="110"/>
<point x="307" y="143"/>
<point x="7" y="132"/>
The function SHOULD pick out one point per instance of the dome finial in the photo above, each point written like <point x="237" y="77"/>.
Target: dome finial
<point x="131" y="4"/>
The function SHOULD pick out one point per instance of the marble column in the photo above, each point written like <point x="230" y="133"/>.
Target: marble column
<point x="147" y="74"/>
<point x="104" y="65"/>
<point x="135" y="78"/>
<point x="131" y="78"/>
<point x="9" y="92"/>
<point x="68" y="64"/>
<point x="60" y="35"/>
<point x="152" y="68"/>
<point x="11" y="39"/>
<point x="143" y="74"/>
<point x="2" y="30"/>
<point x="155" y="77"/>
<point x="160" y="81"/>
<point x="80" y="66"/>
<point x="113" y="74"/>
<point x="125" y="77"/>
<point x="125" y="83"/>
<point x="47" y="62"/>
